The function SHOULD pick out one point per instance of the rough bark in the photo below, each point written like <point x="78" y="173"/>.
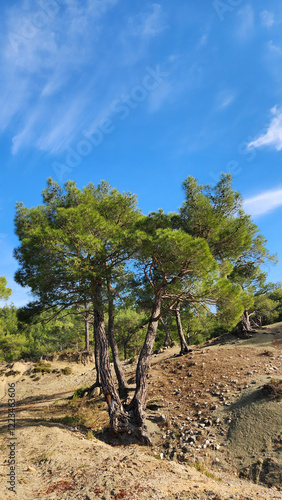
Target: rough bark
<point x="188" y="336"/>
<point x="184" y="346"/>
<point x="86" y="324"/>
<point x="114" y="348"/>
<point x="118" y="417"/>
<point x="138" y="403"/>
<point x="97" y="358"/>
<point x="244" y="328"/>
<point x="167" y="335"/>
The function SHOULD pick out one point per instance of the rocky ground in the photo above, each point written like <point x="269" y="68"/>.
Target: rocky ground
<point x="216" y="431"/>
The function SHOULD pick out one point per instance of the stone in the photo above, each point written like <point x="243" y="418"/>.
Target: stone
<point x="96" y="391"/>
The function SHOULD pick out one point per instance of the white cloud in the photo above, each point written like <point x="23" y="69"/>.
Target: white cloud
<point x="203" y="40"/>
<point x="273" y="135"/>
<point x="263" y="203"/>
<point x="246" y="26"/>
<point x="58" y="79"/>
<point x="267" y="18"/>
<point x="42" y="55"/>
<point x="149" y="24"/>
<point x="224" y="99"/>
<point x="274" y="48"/>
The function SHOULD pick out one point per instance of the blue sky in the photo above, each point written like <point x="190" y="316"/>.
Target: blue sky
<point x="141" y="94"/>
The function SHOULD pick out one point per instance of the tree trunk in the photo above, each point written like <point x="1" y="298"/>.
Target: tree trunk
<point x="188" y="336"/>
<point x="167" y="335"/>
<point x="184" y="346"/>
<point x="86" y="324"/>
<point x="125" y="351"/>
<point x="118" y="418"/>
<point x="97" y="357"/>
<point x="114" y="348"/>
<point x="138" y="403"/>
<point x="244" y="328"/>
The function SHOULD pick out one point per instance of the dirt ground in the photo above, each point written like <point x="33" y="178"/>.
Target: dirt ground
<point x="213" y="428"/>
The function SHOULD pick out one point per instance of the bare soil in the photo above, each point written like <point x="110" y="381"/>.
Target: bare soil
<point x="212" y="427"/>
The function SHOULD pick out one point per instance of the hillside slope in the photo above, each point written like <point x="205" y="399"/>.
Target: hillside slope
<point x="210" y="417"/>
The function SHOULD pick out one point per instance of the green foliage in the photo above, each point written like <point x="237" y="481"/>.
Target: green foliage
<point x="80" y="392"/>
<point x="208" y="257"/>
<point x="216" y="214"/>
<point x="69" y="420"/>
<point x="4" y="291"/>
<point x="12" y="346"/>
<point x="42" y="367"/>
<point x="12" y="373"/>
<point x="35" y="339"/>
<point x="129" y="331"/>
<point x="67" y="370"/>
<point x="75" y="239"/>
<point x="266" y="307"/>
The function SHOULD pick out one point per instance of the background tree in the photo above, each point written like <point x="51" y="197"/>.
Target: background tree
<point x="216" y="214"/>
<point x="130" y="331"/>
<point x="4" y="291"/>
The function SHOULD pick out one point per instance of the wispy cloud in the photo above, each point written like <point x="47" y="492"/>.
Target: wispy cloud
<point x="225" y="99"/>
<point x="267" y="18"/>
<point x="263" y="203"/>
<point x="273" y="135"/>
<point x="55" y="65"/>
<point x="148" y="24"/>
<point x="42" y="55"/>
<point x="275" y="49"/>
<point x="246" y="27"/>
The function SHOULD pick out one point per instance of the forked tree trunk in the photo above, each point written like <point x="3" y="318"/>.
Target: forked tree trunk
<point x="184" y="346"/>
<point x="118" y="418"/>
<point x="138" y="403"/>
<point x="167" y="335"/>
<point x="114" y="348"/>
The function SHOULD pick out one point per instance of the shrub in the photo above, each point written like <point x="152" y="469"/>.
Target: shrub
<point x="42" y="367"/>
<point x="67" y="370"/>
